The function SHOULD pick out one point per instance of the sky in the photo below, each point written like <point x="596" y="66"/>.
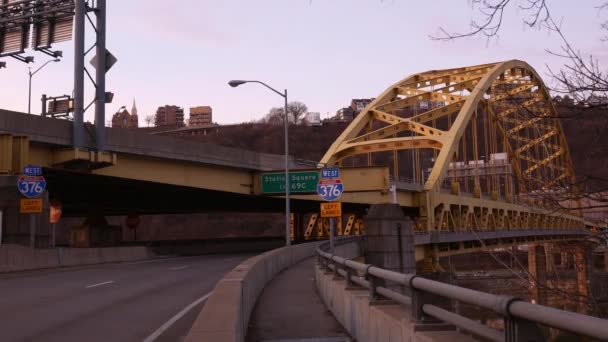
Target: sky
<point x="325" y="52"/>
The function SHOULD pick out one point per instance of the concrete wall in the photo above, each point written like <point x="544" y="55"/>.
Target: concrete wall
<point x="20" y="258"/>
<point x="226" y="313"/>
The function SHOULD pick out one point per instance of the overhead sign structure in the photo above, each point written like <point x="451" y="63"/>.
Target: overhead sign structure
<point x="299" y="182"/>
<point x="30" y="206"/>
<point x="331" y="209"/>
<point x="32" y="183"/>
<point x="50" y="21"/>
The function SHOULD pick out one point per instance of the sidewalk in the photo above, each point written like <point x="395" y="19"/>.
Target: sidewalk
<point x="289" y="309"/>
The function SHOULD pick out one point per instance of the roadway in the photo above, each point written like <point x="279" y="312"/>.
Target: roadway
<point x="151" y="300"/>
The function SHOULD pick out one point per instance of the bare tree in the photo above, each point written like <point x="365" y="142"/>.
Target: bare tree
<point x="275" y="116"/>
<point x="581" y="76"/>
<point x="581" y="79"/>
<point x="149" y="119"/>
<point x="297" y="110"/>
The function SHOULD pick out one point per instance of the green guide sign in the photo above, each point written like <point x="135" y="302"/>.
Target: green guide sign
<point x="299" y="181"/>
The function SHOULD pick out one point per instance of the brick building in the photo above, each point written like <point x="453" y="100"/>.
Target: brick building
<point x="200" y="116"/>
<point x="123" y="119"/>
<point x="169" y="116"/>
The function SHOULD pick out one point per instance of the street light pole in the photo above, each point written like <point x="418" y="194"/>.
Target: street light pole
<point x="287" y="185"/>
<point x="236" y="83"/>
<point x="29" y="96"/>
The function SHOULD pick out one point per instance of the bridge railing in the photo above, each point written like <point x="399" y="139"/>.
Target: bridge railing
<point x="424" y="297"/>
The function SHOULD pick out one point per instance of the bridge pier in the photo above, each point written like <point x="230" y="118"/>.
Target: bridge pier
<point x="390" y="239"/>
<point x="537" y="267"/>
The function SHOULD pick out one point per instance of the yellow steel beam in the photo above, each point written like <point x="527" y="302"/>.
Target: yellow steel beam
<point x="470" y="70"/>
<point x="522" y="106"/>
<point x="402" y="143"/>
<point x="528" y="123"/>
<point x="462" y="76"/>
<point x="543" y="162"/>
<point x="383" y="132"/>
<point x="394" y="120"/>
<point x="512" y="92"/>
<point x="535" y="141"/>
<point x="438" y="113"/>
<point x="557" y="179"/>
<point x="532" y="141"/>
<point x="536" y="161"/>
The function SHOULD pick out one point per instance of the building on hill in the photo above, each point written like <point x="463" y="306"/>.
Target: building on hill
<point x="200" y="116"/>
<point x="357" y="105"/>
<point x="169" y="115"/>
<point x="597" y="100"/>
<point x="349" y="113"/>
<point x="346" y="113"/>
<point x="313" y="119"/>
<point x="123" y="119"/>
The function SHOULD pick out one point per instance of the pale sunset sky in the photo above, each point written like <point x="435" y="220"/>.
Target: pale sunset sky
<point x="325" y="52"/>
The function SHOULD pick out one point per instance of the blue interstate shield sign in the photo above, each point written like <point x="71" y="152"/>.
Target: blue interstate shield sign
<point x="31" y="186"/>
<point x="330" y="189"/>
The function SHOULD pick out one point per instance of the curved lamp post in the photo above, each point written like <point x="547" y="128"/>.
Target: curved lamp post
<point x="29" y="97"/>
<point x="236" y="83"/>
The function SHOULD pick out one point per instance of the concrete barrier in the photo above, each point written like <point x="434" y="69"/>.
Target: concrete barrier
<point x="226" y="313"/>
<point x="20" y="258"/>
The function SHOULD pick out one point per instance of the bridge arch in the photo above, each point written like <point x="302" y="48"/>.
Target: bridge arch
<point x="489" y="128"/>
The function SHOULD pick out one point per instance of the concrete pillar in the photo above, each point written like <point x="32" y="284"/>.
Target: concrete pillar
<point x="537" y="266"/>
<point x="390" y="239"/>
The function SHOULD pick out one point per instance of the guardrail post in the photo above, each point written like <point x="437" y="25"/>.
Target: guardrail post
<point x="519" y="330"/>
<point x="373" y="284"/>
<point x="349" y="281"/>
<point x="336" y="273"/>
<point x="516" y="329"/>
<point x="419" y="298"/>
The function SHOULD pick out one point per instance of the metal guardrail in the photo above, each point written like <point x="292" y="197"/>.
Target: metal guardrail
<point x="520" y="317"/>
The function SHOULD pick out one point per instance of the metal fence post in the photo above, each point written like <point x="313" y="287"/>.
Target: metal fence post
<point x="519" y="330"/>
<point x="336" y="273"/>
<point x="349" y="281"/>
<point x="373" y="284"/>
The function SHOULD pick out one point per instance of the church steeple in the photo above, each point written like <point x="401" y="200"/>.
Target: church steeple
<point x="134" y="108"/>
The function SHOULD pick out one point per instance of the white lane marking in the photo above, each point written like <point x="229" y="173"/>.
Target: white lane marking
<point x="175" y="318"/>
<point x="178" y="268"/>
<point x="148" y="261"/>
<point x="99" y="284"/>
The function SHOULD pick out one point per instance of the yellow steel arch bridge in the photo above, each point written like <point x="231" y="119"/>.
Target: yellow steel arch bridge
<point x="484" y="142"/>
